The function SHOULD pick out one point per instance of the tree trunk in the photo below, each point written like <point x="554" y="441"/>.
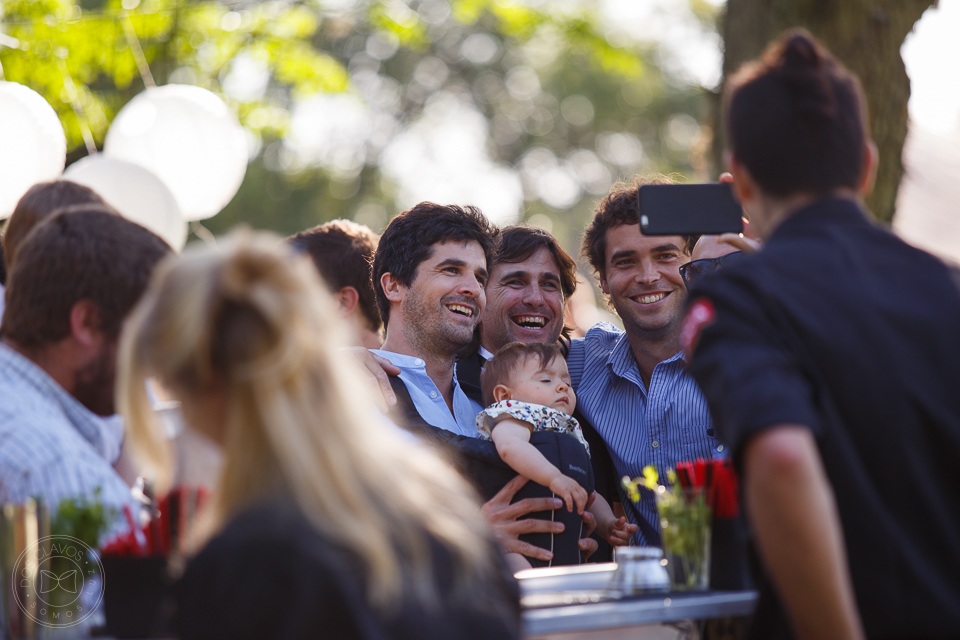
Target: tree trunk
<point x="866" y="36"/>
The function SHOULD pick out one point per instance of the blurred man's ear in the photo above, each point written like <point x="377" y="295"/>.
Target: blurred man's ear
<point x="871" y="160"/>
<point x="85" y="323"/>
<point x="349" y="298"/>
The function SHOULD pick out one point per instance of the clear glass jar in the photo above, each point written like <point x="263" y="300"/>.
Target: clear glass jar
<point x="639" y="570"/>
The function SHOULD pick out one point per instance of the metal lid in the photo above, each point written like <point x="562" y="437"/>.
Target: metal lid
<point x="637" y="553"/>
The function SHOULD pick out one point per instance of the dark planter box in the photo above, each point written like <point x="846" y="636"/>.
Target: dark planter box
<point x="137" y="596"/>
<point x="729" y="566"/>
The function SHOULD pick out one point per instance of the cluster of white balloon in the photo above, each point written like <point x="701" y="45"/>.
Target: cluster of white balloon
<point x="172" y="155"/>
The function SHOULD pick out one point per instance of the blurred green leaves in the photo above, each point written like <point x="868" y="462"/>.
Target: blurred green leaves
<point x="191" y="42"/>
<point x="561" y="97"/>
<point x="393" y="16"/>
<point x="82" y="518"/>
<point x="580" y="30"/>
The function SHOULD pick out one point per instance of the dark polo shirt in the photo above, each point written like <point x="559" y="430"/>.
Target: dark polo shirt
<point x="840" y="326"/>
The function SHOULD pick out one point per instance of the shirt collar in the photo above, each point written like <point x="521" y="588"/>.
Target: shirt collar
<point x="486" y="355"/>
<point x="621" y="358"/>
<point x="622" y="362"/>
<point x="409" y="362"/>
<point x="89" y="425"/>
<point x="401" y="360"/>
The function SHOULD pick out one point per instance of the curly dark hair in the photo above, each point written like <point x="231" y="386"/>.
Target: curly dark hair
<point x="409" y="238"/>
<point x="619" y="208"/>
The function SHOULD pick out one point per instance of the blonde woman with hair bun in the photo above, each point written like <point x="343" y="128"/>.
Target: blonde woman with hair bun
<point x="327" y="520"/>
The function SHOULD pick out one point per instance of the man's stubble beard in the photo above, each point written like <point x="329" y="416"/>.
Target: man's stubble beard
<point x="94" y="383"/>
<point x="429" y="334"/>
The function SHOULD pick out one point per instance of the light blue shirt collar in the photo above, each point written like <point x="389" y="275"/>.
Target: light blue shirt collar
<point x="429" y="401"/>
<point x="624" y="364"/>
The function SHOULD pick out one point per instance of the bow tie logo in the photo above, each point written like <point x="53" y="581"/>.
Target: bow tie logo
<point x="50" y="581"/>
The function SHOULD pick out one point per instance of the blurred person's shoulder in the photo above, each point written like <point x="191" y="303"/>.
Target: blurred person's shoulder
<point x="270" y="541"/>
<point x="21" y="387"/>
<point x="268" y="569"/>
<point x="274" y="525"/>
<point x="235" y="586"/>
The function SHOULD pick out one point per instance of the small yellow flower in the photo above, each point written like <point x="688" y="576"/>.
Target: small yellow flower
<point x="631" y="488"/>
<point x="650" y="478"/>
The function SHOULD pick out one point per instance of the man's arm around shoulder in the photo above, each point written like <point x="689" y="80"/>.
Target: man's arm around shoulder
<point x="794" y="516"/>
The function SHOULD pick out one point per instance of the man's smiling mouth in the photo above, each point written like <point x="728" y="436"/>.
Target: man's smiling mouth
<point x="530" y="322"/>
<point x="461" y="310"/>
<point x="650" y="298"/>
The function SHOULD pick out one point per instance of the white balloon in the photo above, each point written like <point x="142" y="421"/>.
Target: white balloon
<point x="136" y="193"/>
<point x="34" y="145"/>
<point x="190" y="139"/>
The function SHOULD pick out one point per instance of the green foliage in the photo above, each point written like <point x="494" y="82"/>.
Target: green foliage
<point x="401" y="21"/>
<point x="304" y="199"/>
<point x="580" y="30"/>
<point x="81" y="518"/>
<point x="685" y="531"/>
<point x="307" y="48"/>
<point x="198" y="40"/>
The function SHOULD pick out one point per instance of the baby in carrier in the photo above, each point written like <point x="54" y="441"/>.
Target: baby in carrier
<point x="527" y="387"/>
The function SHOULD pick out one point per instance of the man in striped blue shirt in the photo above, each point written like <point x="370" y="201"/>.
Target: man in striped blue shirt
<point x="76" y="277"/>
<point x="633" y="385"/>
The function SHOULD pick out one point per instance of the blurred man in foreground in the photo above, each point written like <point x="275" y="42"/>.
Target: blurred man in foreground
<point x="41" y="201"/>
<point x="829" y="360"/>
<point x="75" y="278"/>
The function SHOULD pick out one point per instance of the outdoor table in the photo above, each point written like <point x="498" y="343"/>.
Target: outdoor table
<point x="641" y="617"/>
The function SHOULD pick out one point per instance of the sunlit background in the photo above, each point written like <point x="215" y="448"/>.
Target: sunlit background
<point x="927" y="205"/>
<point x="529" y="110"/>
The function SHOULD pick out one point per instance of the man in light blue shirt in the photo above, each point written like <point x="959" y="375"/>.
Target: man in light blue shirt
<point x="429" y="274"/>
<point x="633" y="386"/>
<point x="76" y="277"/>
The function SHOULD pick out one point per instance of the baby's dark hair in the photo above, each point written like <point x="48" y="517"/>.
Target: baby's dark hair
<point x="504" y="364"/>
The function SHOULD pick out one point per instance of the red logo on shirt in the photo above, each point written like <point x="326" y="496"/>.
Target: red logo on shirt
<point x="700" y="314"/>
